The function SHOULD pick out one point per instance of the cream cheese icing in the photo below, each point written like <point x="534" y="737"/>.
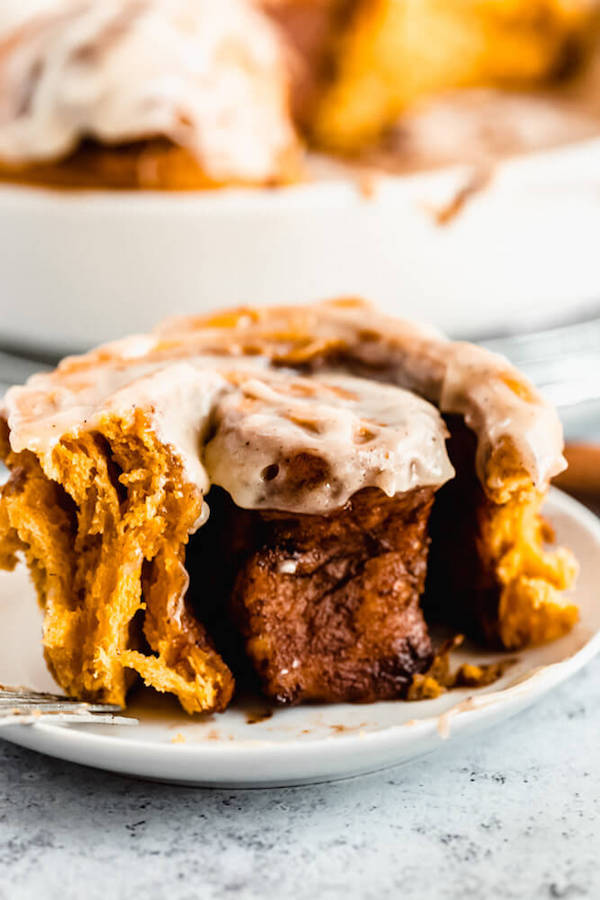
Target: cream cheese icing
<point x="238" y="397"/>
<point x="207" y="75"/>
<point x="497" y="401"/>
<point x="229" y="421"/>
<point x="363" y="434"/>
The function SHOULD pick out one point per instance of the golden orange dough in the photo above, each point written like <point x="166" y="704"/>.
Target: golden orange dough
<point x="393" y="53"/>
<point x="105" y="525"/>
<point x="91" y="544"/>
<point x="489" y="555"/>
<point x="532" y="608"/>
<point x="146" y="165"/>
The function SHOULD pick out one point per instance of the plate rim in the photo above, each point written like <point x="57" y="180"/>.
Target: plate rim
<point x="472" y="713"/>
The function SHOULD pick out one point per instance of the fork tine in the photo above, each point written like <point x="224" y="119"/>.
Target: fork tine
<point x="49" y="706"/>
<point x="563" y="362"/>
<point x="23" y="693"/>
<point x="22" y="706"/>
<point x="27" y="697"/>
<point x="37" y="701"/>
<point x="66" y="719"/>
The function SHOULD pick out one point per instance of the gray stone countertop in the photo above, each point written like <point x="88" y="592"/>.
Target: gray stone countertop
<point x="513" y="813"/>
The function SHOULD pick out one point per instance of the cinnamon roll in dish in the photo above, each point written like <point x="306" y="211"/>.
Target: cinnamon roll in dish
<point x="297" y="490"/>
<point x="173" y="94"/>
<point x="389" y="56"/>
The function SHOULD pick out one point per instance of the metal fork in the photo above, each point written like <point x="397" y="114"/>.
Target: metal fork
<point x="21" y="706"/>
<point x="563" y="362"/>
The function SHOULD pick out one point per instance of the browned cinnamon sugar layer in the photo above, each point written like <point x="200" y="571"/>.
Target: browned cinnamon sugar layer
<point x="329" y="605"/>
<point x="153" y="164"/>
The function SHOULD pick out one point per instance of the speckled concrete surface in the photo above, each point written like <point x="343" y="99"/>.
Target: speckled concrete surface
<point x="515" y="814"/>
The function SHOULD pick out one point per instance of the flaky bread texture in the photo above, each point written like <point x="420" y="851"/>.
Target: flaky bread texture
<point x="103" y="527"/>
<point x="395" y="52"/>
<point x="529" y="580"/>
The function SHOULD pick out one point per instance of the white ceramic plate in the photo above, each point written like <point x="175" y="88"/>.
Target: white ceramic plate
<point x="243" y="748"/>
<point x="80" y="268"/>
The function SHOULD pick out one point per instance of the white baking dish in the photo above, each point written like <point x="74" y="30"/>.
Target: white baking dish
<point x="81" y="267"/>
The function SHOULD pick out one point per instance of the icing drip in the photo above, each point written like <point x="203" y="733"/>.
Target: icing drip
<point x="261" y="423"/>
<point x="307" y="445"/>
<point x="269" y="404"/>
<point x="497" y="401"/>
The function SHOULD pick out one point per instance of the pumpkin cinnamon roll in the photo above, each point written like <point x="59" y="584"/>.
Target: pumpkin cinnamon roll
<point x="312" y="485"/>
<point x="390" y="55"/>
<point x="163" y="94"/>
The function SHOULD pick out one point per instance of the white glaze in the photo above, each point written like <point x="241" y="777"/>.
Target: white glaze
<point x="256" y="420"/>
<point x="207" y="75"/>
<point x="498" y="402"/>
<point x="178" y="397"/>
<point x="365" y="433"/>
<point x="192" y="374"/>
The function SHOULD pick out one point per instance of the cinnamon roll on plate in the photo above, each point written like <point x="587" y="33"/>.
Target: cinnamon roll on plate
<point x="292" y="495"/>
